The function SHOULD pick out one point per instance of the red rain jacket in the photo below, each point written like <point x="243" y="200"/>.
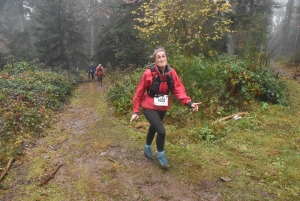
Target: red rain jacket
<point x="99" y="70"/>
<point x="141" y="97"/>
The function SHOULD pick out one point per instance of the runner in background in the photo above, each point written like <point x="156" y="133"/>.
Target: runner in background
<point x="99" y="73"/>
<point x="92" y="71"/>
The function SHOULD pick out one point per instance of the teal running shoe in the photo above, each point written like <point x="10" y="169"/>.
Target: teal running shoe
<point x="163" y="162"/>
<point x="148" y="153"/>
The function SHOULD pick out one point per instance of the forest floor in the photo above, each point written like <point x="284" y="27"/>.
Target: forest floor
<point x="96" y="160"/>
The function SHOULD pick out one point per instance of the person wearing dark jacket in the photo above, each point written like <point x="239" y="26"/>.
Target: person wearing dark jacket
<point x="92" y="71"/>
<point x="152" y="94"/>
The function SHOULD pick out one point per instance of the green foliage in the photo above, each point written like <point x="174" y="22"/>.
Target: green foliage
<point x="177" y="113"/>
<point x="272" y="89"/>
<point x="223" y="84"/>
<point x="121" y="92"/>
<point x="184" y="24"/>
<point x="28" y="97"/>
<point x="19" y="68"/>
<point x="206" y="134"/>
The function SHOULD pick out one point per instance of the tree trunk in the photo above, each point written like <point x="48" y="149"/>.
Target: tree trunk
<point x="92" y="37"/>
<point x="21" y="15"/>
<point x="286" y="25"/>
<point x="230" y="36"/>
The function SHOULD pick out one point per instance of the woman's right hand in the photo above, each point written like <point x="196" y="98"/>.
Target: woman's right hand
<point x="134" y="116"/>
<point x="195" y="106"/>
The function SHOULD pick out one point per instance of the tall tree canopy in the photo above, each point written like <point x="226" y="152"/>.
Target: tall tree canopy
<point x="252" y="24"/>
<point x="286" y="31"/>
<point x="123" y="32"/>
<point x="57" y="36"/>
<point x="14" y="32"/>
<point x="117" y="40"/>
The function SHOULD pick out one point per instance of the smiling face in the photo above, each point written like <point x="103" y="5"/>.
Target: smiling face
<point x="161" y="59"/>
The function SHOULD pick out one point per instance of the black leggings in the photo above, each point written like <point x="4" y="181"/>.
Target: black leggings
<point x="155" y="119"/>
<point x="92" y="74"/>
<point x="100" y="78"/>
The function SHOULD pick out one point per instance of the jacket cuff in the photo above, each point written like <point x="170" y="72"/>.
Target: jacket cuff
<point x="136" y="113"/>
<point x="190" y="104"/>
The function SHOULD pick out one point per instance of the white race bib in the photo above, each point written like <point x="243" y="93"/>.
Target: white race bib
<point x="161" y="100"/>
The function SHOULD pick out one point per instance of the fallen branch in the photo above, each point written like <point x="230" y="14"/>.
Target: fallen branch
<point x="91" y="197"/>
<point x="51" y="175"/>
<point x="7" y="168"/>
<point x="230" y="117"/>
<point x="296" y="75"/>
<point x="3" y="128"/>
<point x="115" y="161"/>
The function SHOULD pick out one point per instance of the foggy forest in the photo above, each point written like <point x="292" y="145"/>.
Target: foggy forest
<point x="231" y="134"/>
<point x="80" y="32"/>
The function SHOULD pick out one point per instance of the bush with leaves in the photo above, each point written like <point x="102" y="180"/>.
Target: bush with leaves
<point x="28" y="96"/>
<point x="207" y="134"/>
<point x="122" y="90"/>
<point x="224" y="84"/>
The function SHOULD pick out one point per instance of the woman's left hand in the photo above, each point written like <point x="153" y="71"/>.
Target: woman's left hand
<point x="194" y="106"/>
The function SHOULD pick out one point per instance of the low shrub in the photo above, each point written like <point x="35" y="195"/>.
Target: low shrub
<point x="28" y="97"/>
<point x="123" y="88"/>
<point x="226" y="85"/>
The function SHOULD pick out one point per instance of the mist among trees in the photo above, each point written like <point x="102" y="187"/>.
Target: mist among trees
<point x="118" y="33"/>
<point x="225" y="52"/>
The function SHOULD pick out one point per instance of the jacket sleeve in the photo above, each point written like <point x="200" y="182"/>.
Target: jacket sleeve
<point x="179" y="89"/>
<point x="139" y="93"/>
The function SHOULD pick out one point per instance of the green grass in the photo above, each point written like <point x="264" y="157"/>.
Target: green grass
<point x="264" y="147"/>
<point x="260" y="153"/>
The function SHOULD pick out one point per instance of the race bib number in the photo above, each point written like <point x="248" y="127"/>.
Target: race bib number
<point x="161" y="100"/>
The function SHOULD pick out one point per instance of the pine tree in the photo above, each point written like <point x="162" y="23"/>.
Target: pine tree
<point x="14" y="34"/>
<point x="252" y="24"/>
<point x="286" y="25"/>
<point x="57" y="36"/>
<point x="117" y="41"/>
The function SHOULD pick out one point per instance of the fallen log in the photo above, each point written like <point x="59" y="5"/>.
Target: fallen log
<point x="51" y="175"/>
<point x="230" y="117"/>
<point x="6" y="168"/>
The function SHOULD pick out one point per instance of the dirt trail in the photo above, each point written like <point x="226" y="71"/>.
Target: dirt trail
<point x="98" y="161"/>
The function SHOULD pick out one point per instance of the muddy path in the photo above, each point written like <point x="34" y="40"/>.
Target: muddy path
<point x="98" y="160"/>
